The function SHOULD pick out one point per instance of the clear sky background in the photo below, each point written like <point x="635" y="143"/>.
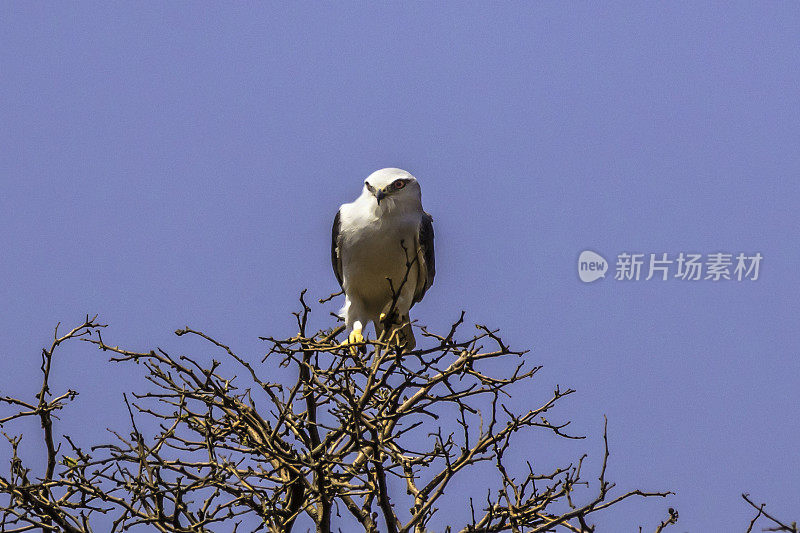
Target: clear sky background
<point x="172" y="164"/>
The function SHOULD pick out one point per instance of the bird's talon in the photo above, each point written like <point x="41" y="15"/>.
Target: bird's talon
<point x="354" y="338"/>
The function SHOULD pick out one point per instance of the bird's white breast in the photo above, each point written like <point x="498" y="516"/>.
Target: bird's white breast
<point x="371" y="251"/>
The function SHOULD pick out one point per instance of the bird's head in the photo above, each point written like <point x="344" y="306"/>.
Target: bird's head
<point x="393" y="187"/>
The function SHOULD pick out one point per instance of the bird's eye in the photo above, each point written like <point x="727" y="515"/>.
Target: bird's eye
<point x="399" y="184"/>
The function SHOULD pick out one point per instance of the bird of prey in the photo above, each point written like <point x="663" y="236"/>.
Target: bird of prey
<point x="382" y="254"/>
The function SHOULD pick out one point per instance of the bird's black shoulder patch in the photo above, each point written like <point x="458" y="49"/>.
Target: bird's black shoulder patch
<point x="336" y="261"/>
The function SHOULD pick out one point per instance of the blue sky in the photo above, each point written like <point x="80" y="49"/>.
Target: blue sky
<point x="173" y="164"/>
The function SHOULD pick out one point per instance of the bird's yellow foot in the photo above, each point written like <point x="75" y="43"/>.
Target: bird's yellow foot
<point x="356" y="337"/>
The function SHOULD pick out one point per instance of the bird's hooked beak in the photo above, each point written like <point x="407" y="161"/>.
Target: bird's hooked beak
<point x="380" y="195"/>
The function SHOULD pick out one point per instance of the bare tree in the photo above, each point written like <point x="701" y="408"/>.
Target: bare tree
<point x="232" y="452"/>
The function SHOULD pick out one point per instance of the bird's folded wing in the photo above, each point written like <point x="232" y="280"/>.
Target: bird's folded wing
<point x="336" y="259"/>
<point x="425" y="256"/>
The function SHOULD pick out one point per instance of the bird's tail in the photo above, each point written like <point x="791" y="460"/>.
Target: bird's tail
<point x="399" y="334"/>
<point x="406" y="337"/>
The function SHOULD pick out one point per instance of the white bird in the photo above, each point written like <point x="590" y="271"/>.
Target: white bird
<point x="382" y="249"/>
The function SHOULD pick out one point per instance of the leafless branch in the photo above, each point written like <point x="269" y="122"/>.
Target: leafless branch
<point x="777" y="524"/>
<point x="211" y="443"/>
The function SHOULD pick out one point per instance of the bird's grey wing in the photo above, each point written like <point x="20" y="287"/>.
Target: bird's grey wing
<point x="427" y="267"/>
<point x="336" y="259"/>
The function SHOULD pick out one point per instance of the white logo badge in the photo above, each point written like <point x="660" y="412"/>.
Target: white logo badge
<point x="591" y="266"/>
